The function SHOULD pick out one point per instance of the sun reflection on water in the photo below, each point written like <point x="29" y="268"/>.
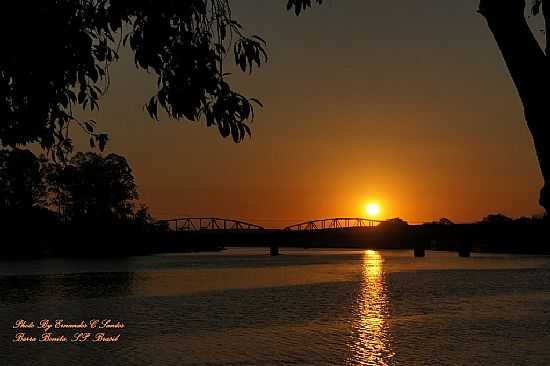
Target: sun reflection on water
<point x="370" y="342"/>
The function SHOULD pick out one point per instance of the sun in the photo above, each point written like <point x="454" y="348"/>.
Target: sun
<point x="372" y="209"/>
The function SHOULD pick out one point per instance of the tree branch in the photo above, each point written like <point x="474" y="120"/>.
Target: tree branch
<point x="546" y="15"/>
<point x="529" y="69"/>
<point x="522" y="53"/>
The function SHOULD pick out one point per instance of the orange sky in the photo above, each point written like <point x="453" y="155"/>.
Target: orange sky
<point x="406" y="104"/>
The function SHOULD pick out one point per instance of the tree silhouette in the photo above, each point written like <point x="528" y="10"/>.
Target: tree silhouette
<point x="529" y="67"/>
<point x="445" y="221"/>
<point x="393" y="224"/>
<point x="94" y="188"/>
<point x="21" y="183"/>
<point x="60" y="52"/>
<point x="496" y="219"/>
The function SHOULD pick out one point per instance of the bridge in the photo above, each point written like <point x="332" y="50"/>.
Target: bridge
<point x="210" y="224"/>
<point x="212" y="233"/>
<point x="335" y="223"/>
<point x="220" y="224"/>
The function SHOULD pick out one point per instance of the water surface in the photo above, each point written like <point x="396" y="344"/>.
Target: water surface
<point x="306" y="307"/>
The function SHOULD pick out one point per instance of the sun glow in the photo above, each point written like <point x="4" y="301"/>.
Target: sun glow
<point x="372" y="209"/>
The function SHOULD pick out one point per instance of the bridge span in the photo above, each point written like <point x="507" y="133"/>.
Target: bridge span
<point x="222" y="224"/>
<point x="335" y="223"/>
<point x="210" y="224"/>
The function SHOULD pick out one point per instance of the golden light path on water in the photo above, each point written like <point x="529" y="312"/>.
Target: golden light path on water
<point x="370" y="342"/>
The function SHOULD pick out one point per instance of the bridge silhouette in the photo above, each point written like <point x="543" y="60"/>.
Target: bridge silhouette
<point x="210" y="224"/>
<point x="213" y="233"/>
<point x="335" y="223"/>
<point x="223" y="224"/>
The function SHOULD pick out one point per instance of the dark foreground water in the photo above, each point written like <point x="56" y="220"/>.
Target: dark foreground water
<point x="242" y="307"/>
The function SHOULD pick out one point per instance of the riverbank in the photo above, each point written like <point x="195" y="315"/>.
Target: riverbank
<point x="70" y="241"/>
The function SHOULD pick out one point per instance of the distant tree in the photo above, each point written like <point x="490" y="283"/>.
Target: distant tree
<point x="540" y="217"/>
<point x="144" y="221"/>
<point x="92" y="187"/>
<point x="496" y="219"/>
<point x="142" y="216"/>
<point x="445" y="221"/>
<point x="525" y="220"/>
<point x="394" y="223"/>
<point x="21" y="182"/>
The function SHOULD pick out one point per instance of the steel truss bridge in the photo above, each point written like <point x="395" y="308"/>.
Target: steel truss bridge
<point x="210" y="224"/>
<point x="218" y="224"/>
<point x="335" y="223"/>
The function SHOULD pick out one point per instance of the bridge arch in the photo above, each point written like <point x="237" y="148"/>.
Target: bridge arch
<point x="333" y="223"/>
<point x="210" y="224"/>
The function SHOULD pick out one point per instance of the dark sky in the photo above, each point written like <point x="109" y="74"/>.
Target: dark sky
<point x="406" y="103"/>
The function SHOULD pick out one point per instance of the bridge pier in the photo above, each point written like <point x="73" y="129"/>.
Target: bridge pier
<point x="274" y="251"/>
<point x="465" y="251"/>
<point x="419" y="251"/>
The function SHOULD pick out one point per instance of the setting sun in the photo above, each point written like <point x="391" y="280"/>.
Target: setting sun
<point x="372" y="209"/>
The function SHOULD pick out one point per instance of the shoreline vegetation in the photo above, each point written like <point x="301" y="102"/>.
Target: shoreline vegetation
<point x="49" y="239"/>
<point x="88" y="207"/>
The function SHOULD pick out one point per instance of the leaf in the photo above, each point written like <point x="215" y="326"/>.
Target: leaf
<point x="81" y="96"/>
<point x="257" y="102"/>
<point x="152" y="108"/>
<point x="235" y="134"/>
<point x="224" y="129"/>
<point x="247" y="129"/>
<point x="89" y="127"/>
<point x="102" y="141"/>
<point x="259" y="39"/>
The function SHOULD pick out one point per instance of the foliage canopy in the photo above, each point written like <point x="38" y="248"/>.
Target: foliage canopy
<point x="58" y="52"/>
<point x="92" y="188"/>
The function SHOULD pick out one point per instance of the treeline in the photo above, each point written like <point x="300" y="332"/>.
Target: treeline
<point x="495" y="233"/>
<point x="88" y="201"/>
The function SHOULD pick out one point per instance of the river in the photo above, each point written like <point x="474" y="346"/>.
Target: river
<point x="305" y="307"/>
